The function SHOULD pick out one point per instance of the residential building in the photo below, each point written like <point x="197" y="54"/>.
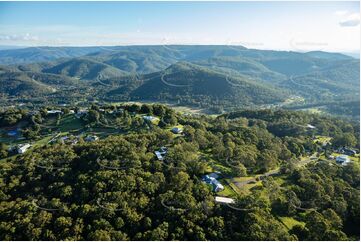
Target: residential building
<point x="177" y="130"/>
<point x="23" y="148"/>
<point x="161" y="153"/>
<point x="91" y="138"/>
<point x="149" y="118"/>
<point x="215" y="175"/>
<point x="217" y="186"/>
<point x="347" y="151"/>
<point x="343" y="159"/>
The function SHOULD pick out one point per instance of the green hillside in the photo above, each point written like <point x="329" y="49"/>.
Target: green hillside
<point x="20" y="84"/>
<point x="84" y="68"/>
<point x="200" y="83"/>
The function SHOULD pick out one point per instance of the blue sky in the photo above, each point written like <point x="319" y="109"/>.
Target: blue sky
<point x="302" y="26"/>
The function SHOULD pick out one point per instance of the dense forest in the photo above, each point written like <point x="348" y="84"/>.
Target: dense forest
<point x="115" y="188"/>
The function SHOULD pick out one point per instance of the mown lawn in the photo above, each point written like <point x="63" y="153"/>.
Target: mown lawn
<point x="227" y="192"/>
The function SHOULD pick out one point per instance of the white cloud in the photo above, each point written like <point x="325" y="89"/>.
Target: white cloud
<point x="350" y="20"/>
<point x="19" y="37"/>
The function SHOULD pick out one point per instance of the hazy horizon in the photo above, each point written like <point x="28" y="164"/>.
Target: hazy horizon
<point x="292" y="26"/>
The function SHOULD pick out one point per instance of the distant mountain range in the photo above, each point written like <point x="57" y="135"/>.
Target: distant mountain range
<point x="190" y="74"/>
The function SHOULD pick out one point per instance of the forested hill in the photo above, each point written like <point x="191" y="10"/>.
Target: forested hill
<point x="284" y="180"/>
<point x="253" y="77"/>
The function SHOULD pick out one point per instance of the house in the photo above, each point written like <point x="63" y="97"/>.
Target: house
<point x="343" y="159"/>
<point x="54" y="111"/>
<point x="177" y="130"/>
<point x="63" y="139"/>
<point x="91" y="138"/>
<point x="215" y="175"/>
<point x="23" y="148"/>
<point x="347" y="151"/>
<point x="224" y="200"/>
<point x="161" y="153"/>
<point x="81" y="112"/>
<point x="69" y="140"/>
<point x="217" y="186"/>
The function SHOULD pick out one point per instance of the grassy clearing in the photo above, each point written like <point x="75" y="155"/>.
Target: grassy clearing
<point x="247" y="189"/>
<point x="241" y="179"/>
<point x="313" y="110"/>
<point x="353" y="158"/>
<point x="70" y="122"/>
<point x="322" y="139"/>
<point x="228" y="190"/>
<point x="289" y="222"/>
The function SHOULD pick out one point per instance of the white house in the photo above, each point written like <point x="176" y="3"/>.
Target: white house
<point x="224" y="200"/>
<point x="343" y="159"/>
<point x="23" y="148"/>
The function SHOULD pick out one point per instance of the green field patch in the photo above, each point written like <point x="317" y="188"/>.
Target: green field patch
<point x="228" y="190"/>
<point x="242" y="179"/>
<point x="322" y="139"/>
<point x="70" y="123"/>
<point x="289" y="222"/>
